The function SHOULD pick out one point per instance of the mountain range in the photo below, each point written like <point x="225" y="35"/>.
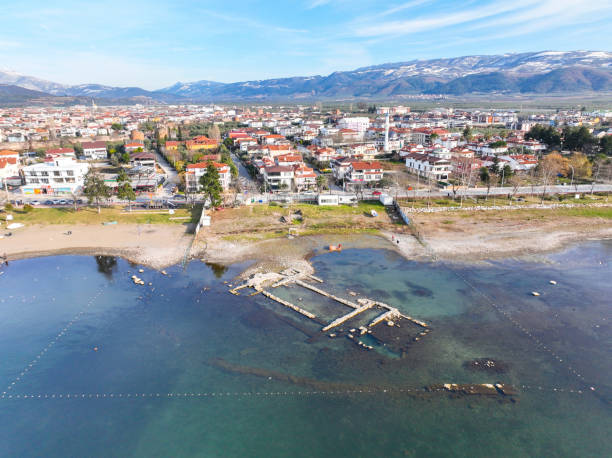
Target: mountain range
<point x="538" y="73"/>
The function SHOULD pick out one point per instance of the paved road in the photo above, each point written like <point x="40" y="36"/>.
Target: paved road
<point x="499" y="191"/>
<point x="172" y="178"/>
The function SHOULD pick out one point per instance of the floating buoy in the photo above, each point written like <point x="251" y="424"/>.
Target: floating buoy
<point x="390" y="323"/>
<point x="535" y="293"/>
<point x="163" y="272"/>
<point x="552" y="282"/>
<point x="95" y="348"/>
<point x="141" y="270"/>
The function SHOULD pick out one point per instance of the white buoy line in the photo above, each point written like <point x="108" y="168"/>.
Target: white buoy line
<point x="62" y="333"/>
<point x="520" y="327"/>
<point x="250" y="394"/>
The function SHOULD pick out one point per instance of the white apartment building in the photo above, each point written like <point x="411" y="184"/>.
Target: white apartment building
<point x="363" y="172"/>
<point x="278" y="177"/>
<point x="60" y="175"/>
<point x="359" y="124"/>
<point x="94" y="150"/>
<point x="429" y="166"/>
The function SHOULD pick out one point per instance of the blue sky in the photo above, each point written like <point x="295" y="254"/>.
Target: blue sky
<point x="153" y="44"/>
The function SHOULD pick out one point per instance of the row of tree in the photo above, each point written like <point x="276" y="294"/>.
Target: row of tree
<point x="570" y="138"/>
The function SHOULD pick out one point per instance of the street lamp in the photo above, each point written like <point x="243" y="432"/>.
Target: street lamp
<point x="572" y="181"/>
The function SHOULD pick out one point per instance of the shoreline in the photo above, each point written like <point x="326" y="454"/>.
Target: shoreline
<point x="148" y="245"/>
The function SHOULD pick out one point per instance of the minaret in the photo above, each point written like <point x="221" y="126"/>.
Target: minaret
<point x="386" y="147"/>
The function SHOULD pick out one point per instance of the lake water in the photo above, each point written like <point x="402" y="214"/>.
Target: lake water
<point x="93" y="365"/>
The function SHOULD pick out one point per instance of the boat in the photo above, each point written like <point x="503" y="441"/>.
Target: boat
<point x="335" y="247"/>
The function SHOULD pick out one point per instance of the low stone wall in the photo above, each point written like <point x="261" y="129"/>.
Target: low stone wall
<point x="404" y="211"/>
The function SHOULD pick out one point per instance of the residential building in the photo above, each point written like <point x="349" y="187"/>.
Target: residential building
<point x="429" y="166"/>
<point x="133" y="146"/>
<point x="61" y="175"/>
<point x="195" y="171"/>
<point x="278" y="177"/>
<point x="142" y="159"/>
<point x="358" y="124"/>
<point x="364" y="172"/>
<point x="201" y="142"/>
<point x="94" y="150"/>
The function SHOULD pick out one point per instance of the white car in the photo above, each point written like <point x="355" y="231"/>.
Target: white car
<point x="34" y="202"/>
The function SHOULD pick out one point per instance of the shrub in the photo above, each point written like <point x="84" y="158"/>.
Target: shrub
<point x="9" y="207"/>
<point x="27" y="208"/>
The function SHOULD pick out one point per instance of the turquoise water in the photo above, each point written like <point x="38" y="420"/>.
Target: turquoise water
<point x="136" y="371"/>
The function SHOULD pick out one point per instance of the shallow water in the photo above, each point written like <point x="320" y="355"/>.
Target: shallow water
<point x="72" y="325"/>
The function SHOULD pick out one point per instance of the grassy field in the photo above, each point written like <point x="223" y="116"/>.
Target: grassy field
<point x="86" y="215"/>
<point x="263" y="222"/>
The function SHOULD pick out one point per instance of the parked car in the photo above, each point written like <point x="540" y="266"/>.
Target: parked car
<point x="34" y="202"/>
<point x="55" y="202"/>
<point x="48" y="202"/>
<point x="80" y="201"/>
<point x="63" y="202"/>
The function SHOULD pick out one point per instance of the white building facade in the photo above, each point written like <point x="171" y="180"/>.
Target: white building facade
<point x="56" y="176"/>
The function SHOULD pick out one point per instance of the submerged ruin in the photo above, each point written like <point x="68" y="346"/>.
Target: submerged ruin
<point x="368" y="323"/>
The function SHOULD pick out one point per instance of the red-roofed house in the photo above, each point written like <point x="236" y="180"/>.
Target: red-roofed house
<point x="288" y="159"/>
<point x="142" y="159"/>
<point x="278" y="177"/>
<point x="172" y="145"/>
<point x="133" y="146"/>
<point x="94" y="150"/>
<point x="9" y="168"/>
<point x="195" y="171"/>
<point x="304" y="177"/>
<point x="201" y="142"/>
<point x="363" y="172"/>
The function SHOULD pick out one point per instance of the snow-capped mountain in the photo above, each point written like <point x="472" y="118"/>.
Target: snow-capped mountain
<point x="30" y="82"/>
<point x="528" y="73"/>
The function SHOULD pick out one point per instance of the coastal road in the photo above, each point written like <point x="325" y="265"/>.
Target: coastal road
<point x="499" y="191"/>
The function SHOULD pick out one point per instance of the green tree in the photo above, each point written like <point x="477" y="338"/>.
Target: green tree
<point x="605" y="144"/>
<point x="126" y="192"/>
<point x="507" y="171"/>
<point x="467" y="133"/>
<point x="95" y="188"/>
<point x="122" y="176"/>
<point x="484" y="175"/>
<point x="124" y="158"/>
<point x="495" y="167"/>
<point x="545" y="134"/>
<point x="321" y="181"/>
<point x="211" y="185"/>
<point x="116" y="126"/>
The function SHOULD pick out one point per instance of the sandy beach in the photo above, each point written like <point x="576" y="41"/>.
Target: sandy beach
<point x="154" y="245"/>
<point x="482" y="236"/>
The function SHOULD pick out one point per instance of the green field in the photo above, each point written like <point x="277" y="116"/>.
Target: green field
<point x="88" y="215"/>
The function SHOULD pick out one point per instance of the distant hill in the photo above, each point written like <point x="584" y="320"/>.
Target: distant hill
<point x="548" y="72"/>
